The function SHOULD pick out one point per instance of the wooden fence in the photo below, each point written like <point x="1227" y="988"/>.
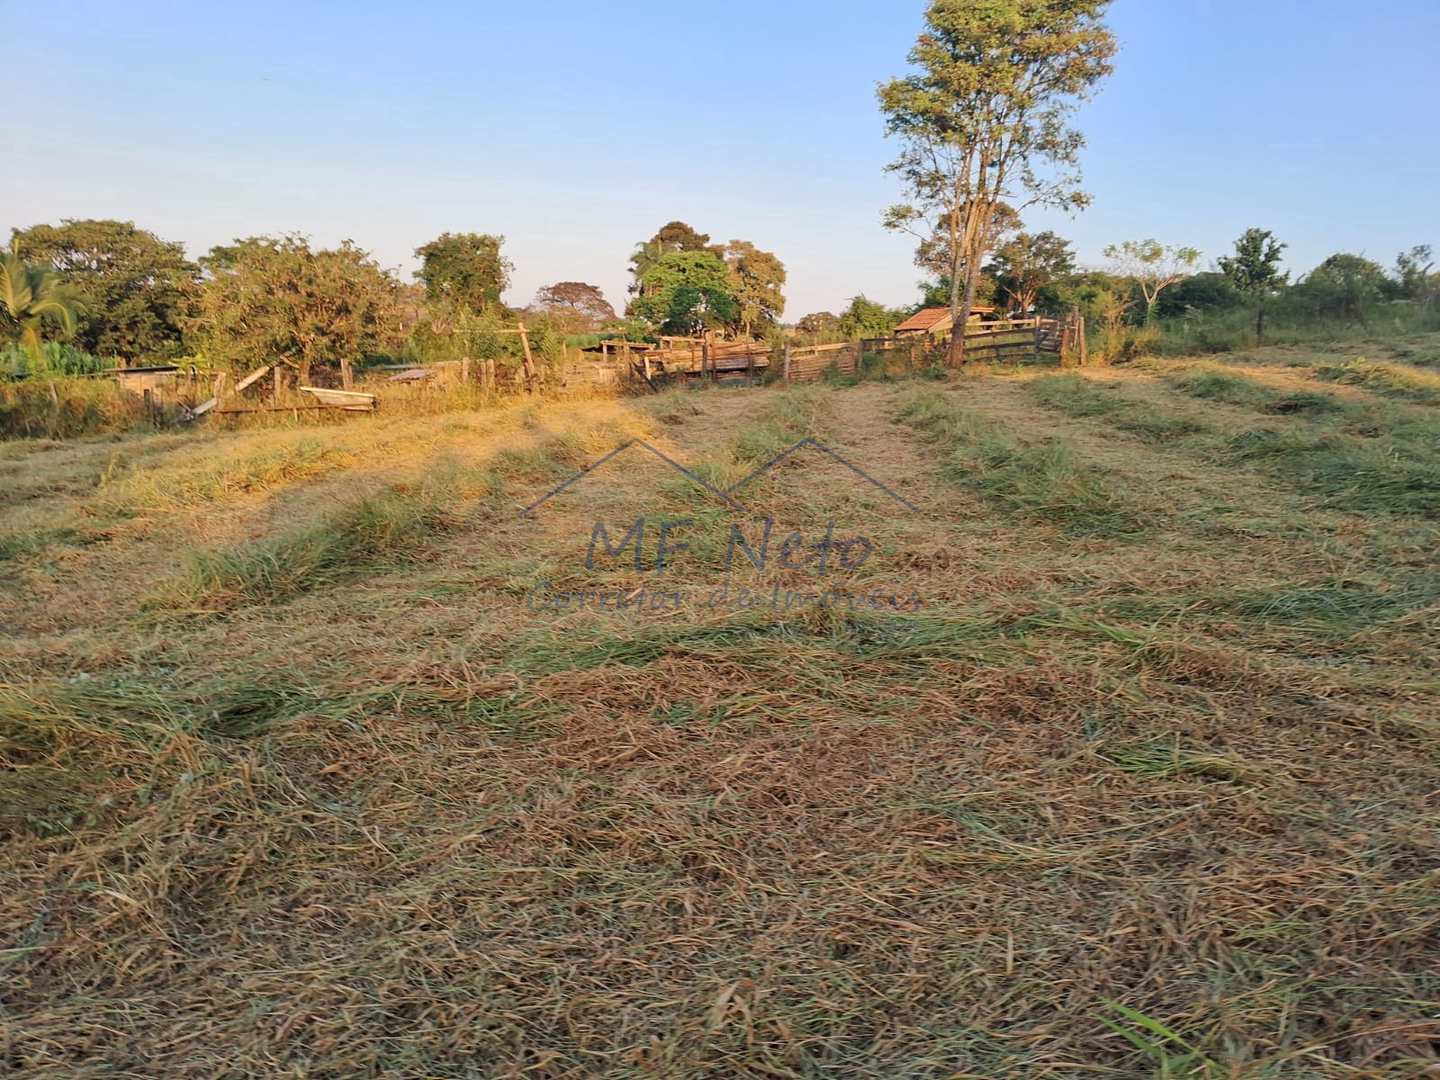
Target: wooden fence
<point x="813" y="363"/>
<point x="1011" y="339"/>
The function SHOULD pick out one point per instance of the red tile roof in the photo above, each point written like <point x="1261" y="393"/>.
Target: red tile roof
<point x="930" y="317"/>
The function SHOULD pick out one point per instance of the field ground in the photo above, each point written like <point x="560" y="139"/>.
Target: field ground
<point x="309" y="774"/>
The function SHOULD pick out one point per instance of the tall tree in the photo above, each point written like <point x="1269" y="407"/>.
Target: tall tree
<point x="1255" y="271"/>
<point x="686" y="292"/>
<point x="1413" y="273"/>
<point x="1028" y="263"/>
<point x="576" y="300"/>
<point x="29" y="295"/>
<point x="818" y="324"/>
<point x="983" y="121"/>
<point x="276" y="297"/>
<point x="864" y="318"/>
<point x="133" y="285"/>
<point x="669" y="239"/>
<point x="757" y="281"/>
<point x="465" y="269"/>
<point x="1344" y="285"/>
<point x="1153" y="267"/>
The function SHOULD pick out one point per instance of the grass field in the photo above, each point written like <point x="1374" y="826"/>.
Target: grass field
<point x="315" y="765"/>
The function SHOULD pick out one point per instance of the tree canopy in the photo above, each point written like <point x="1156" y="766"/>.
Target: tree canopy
<point x="687" y="292"/>
<point x="577" y="301"/>
<point x="1254" y="270"/>
<point x="1153" y="267"/>
<point x="669" y="239"/>
<point x="1028" y="263"/>
<point x="132" y="287"/>
<point x="982" y="121"/>
<point x="864" y="318"/>
<point x="757" y="281"/>
<point x="465" y="268"/>
<point x="274" y="298"/>
<point x="30" y="296"/>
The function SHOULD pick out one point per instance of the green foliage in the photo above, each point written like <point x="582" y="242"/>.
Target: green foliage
<point x="1343" y="286"/>
<point x="31" y="296"/>
<point x="273" y="298"/>
<point x="1153" y="267"/>
<point x="687" y="292"/>
<point x="669" y="239"/>
<point x="757" y="281"/>
<point x="1255" y="272"/>
<point x="54" y="358"/>
<point x="865" y="318"/>
<point x="66" y="408"/>
<point x="131" y="286"/>
<point x="465" y="269"/>
<point x="821" y="326"/>
<point x="982" y="119"/>
<point x="1254" y="269"/>
<point x="1028" y="263"/>
<point x="1198" y="294"/>
<point x="1413" y="277"/>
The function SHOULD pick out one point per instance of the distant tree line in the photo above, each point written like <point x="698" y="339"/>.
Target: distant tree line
<point x="85" y="289"/>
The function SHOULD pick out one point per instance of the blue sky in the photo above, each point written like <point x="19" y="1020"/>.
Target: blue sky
<point x="577" y="128"/>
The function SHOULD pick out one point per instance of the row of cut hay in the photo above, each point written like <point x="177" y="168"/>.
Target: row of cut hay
<point x="1043" y="481"/>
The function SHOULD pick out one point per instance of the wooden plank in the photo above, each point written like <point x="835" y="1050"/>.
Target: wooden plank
<point x="250" y="380"/>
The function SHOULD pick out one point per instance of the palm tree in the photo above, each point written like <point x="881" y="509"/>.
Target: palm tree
<point x="29" y="294"/>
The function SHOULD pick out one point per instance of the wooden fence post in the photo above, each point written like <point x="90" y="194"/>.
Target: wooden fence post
<point x="787" y="363"/>
<point x="529" y="360"/>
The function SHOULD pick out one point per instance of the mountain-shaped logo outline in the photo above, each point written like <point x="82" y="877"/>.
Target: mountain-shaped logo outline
<point x="727" y="495"/>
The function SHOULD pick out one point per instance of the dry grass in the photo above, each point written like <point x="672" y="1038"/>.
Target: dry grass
<point x="295" y="779"/>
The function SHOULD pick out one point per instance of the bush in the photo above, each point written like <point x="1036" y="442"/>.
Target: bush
<point x="56" y="358"/>
<point x="67" y="407"/>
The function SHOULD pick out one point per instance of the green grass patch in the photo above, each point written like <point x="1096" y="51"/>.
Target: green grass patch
<point x="1225" y="387"/>
<point x="391" y="524"/>
<point x="1398" y="476"/>
<point x="1045" y="481"/>
<point x="1166" y="759"/>
<point x="1077" y="396"/>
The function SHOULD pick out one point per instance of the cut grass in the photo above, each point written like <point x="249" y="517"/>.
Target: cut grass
<point x="1394" y="380"/>
<point x="416" y="827"/>
<point x="1345" y="472"/>
<point x="1219" y="385"/>
<point x="1045" y="481"/>
<point x="350" y="542"/>
<point x="191" y="484"/>
<point x="1077" y="396"/>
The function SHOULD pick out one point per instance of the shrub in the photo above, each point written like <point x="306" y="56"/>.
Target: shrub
<point x="65" y="408"/>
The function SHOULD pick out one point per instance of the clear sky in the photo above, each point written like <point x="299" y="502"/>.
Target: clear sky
<point x="576" y="128"/>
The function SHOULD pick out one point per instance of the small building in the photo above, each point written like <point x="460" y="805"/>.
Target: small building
<point x="936" y="321"/>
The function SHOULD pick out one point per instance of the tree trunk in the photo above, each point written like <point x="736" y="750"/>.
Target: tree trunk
<point x="1260" y="322"/>
<point x="962" y="319"/>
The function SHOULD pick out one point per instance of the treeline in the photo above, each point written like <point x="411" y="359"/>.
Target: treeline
<point x="86" y="294"/>
<point x="1151" y="295"/>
